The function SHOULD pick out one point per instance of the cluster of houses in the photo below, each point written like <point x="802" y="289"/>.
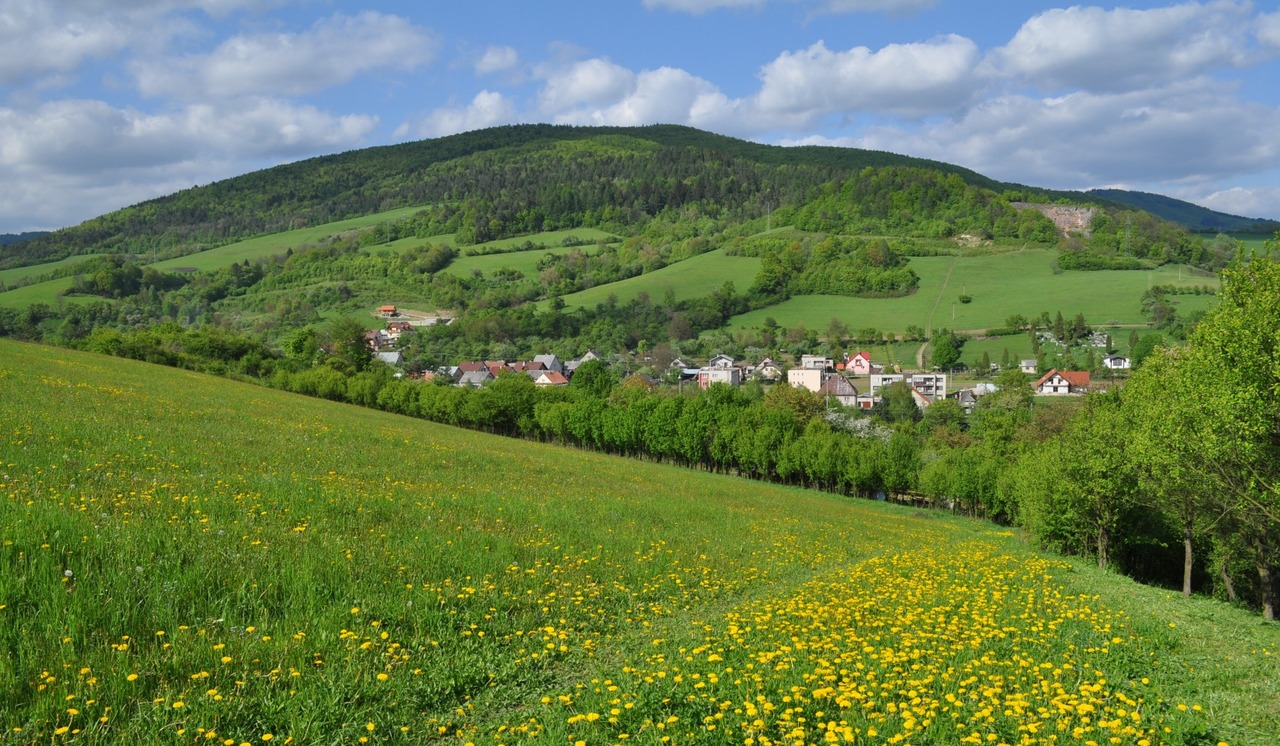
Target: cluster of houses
<point x="825" y="377"/>
<point x="545" y="370"/>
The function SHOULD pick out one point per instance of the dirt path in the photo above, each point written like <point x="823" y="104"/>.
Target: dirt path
<point x="928" y="324"/>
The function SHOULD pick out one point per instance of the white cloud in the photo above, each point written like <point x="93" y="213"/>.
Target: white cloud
<point x="47" y="40"/>
<point x="334" y="51"/>
<point x="1083" y="139"/>
<point x="906" y="79"/>
<point x="1249" y="202"/>
<point x="82" y="157"/>
<point x="497" y="59"/>
<point x="1123" y="49"/>
<point x="665" y="95"/>
<point x="1268" y="29"/>
<point x="589" y="82"/>
<point x="37" y="40"/>
<point x="487" y="109"/>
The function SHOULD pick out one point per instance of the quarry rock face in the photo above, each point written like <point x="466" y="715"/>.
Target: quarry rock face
<point x="1068" y="218"/>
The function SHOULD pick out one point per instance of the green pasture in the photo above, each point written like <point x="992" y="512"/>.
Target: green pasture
<point x="18" y="274"/>
<point x="49" y="292"/>
<point x="692" y="278"/>
<point x="1001" y="285"/>
<point x="524" y="261"/>
<point x="194" y="560"/>
<point x="275" y="244"/>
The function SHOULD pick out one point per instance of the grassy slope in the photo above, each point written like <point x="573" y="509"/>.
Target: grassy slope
<point x="1001" y="285"/>
<point x="9" y="276"/>
<point x="266" y="563"/>
<point x="692" y="278"/>
<point x="276" y="243"/>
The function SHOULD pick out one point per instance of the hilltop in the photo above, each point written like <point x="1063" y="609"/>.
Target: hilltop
<point x="492" y="162"/>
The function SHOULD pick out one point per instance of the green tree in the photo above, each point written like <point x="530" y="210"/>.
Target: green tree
<point x="945" y="349"/>
<point x="1238" y="408"/>
<point x="593" y="378"/>
<point x="347" y="344"/>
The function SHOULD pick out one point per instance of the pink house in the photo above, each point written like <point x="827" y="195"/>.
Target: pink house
<point x="858" y="364"/>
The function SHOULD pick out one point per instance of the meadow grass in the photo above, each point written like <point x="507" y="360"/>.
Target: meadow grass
<point x="275" y="244"/>
<point x="193" y="560"/>
<point x="695" y="277"/>
<point x="1001" y="285"/>
<point x="49" y="292"/>
<point x="17" y="274"/>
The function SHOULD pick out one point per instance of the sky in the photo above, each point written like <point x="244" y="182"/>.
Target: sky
<point x="105" y="103"/>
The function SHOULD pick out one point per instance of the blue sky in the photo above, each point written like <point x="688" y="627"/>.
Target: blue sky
<point x="104" y="103"/>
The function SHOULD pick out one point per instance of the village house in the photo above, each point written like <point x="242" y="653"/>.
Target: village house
<point x="550" y="378"/>
<point x="475" y="378"/>
<point x="1063" y="383"/>
<point x="710" y="375"/>
<point x="806" y="378"/>
<point x="838" y="389"/>
<point x="931" y="385"/>
<point x="387" y="311"/>
<point x="817" y="362"/>
<point x="1028" y="366"/>
<point x="1116" y="362"/>
<point x="858" y="364"/>
<point x="550" y="362"/>
<point x="767" y="370"/>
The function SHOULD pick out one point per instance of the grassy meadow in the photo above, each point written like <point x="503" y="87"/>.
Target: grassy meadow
<point x="49" y="291"/>
<point x="17" y="274"/>
<point x="193" y="560"/>
<point x="695" y="277"/>
<point x="1001" y="285"/>
<point x="275" y="244"/>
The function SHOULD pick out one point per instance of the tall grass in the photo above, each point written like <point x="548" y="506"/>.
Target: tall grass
<point x="192" y="560"/>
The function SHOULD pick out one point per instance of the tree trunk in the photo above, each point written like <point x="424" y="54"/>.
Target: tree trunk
<point x="1102" y="548"/>
<point x="1227" y="585"/>
<point x="1268" y="589"/>
<point x="1186" y="562"/>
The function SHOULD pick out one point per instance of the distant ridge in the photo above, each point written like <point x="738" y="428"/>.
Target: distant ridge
<point x="7" y="239"/>
<point x="1193" y="216"/>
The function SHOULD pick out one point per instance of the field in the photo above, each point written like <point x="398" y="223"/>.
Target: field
<point x="1020" y="282"/>
<point x="692" y="278"/>
<point x="276" y="243"/>
<point x="49" y="291"/>
<point x="10" y="276"/>
<point x="192" y="560"/>
<point x="523" y="261"/>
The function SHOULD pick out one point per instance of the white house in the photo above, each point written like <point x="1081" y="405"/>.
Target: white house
<point x="817" y="362"/>
<point x="1116" y="362"/>
<point x="1063" y="382"/>
<point x="711" y="374"/>
<point x="806" y="378"/>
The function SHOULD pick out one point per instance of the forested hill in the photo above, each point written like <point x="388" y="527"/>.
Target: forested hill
<point x="502" y="182"/>
<point x="1192" y="216"/>
<point x="572" y="175"/>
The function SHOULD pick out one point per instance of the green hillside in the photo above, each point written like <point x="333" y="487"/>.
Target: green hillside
<point x="1000" y="285"/>
<point x="194" y="560"/>
<point x="1193" y="216"/>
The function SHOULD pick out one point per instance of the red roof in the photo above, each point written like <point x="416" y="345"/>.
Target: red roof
<point x="1075" y="378"/>
<point x="552" y="378"/>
